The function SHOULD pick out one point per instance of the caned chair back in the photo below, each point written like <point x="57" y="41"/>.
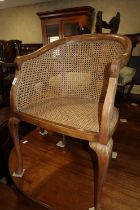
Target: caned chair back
<point x="75" y="67"/>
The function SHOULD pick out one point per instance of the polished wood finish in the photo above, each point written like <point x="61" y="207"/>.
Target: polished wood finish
<point x="6" y="143"/>
<point x="100" y="142"/>
<point x="55" y="172"/>
<point x="64" y="178"/>
<point x="11" y="199"/>
<point x="84" y="16"/>
<point x="27" y="48"/>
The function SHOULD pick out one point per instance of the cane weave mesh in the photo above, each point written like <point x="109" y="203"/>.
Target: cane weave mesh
<point x="73" y="112"/>
<point x="68" y="80"/>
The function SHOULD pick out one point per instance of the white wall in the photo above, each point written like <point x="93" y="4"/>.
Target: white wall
<point x="23" y="23"/>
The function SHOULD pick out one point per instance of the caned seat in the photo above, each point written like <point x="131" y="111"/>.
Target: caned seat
<point x="76" y="113"/>
<point x="69" y="87"/>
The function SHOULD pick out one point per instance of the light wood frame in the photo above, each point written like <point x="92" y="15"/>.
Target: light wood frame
<point x="101" y="142"/>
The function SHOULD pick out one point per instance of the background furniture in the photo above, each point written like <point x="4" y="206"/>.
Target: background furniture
<point x="27" y="48"/>
<point x="112" y="25"/>
<point x="69" y="87"/>
<point x="8" y="52"/>
<point x="126" y="78"/>
<point x="127" y="73"/>
<point x="130" y="75"/>
<point x="62" y="23"/>
<point x="134" y="61"/>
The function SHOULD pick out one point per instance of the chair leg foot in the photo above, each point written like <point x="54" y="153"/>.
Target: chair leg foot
<point x="19" y="175"/>
<point x="103" y="153"/>
<point x="13" y="125"/>
<point x="43" y="132"/>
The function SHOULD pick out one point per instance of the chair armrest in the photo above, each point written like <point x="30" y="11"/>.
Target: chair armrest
<point x="108" y="106"/>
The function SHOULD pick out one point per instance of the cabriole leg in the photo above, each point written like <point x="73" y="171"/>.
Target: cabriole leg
<point x="103" y="153"/>
<point x="13" y="125"/>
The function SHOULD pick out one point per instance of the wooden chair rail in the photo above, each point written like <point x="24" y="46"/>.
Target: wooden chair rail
<point x="59" y="87"/>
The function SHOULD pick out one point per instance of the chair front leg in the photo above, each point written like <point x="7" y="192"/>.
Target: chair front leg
<point x="103" y="153"/>
<point x="13" y="125"/>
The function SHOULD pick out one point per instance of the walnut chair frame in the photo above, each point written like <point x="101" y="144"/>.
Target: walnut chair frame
<point x="73" y="73"/>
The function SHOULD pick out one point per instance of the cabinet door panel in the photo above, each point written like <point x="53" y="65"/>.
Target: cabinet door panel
<point x="71" y="28"/>
<point x="52" y="32"/>
<point x="65" y="22"/>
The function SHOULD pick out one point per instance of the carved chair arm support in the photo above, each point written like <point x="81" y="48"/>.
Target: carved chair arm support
<point x="108" y="106"/>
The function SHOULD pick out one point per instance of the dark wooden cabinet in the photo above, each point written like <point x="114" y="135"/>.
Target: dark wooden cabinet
<point x="62" y="23"/>
<point x="29" y="48"/>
